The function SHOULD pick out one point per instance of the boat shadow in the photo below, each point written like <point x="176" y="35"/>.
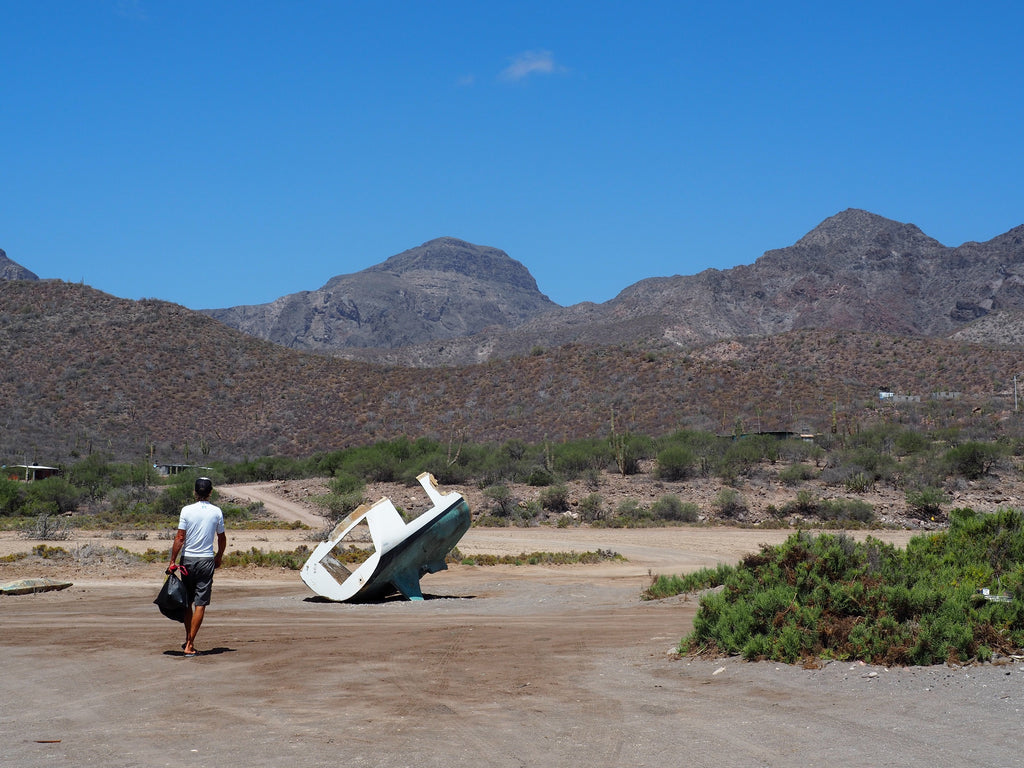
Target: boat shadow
<point x="388" y="599"/>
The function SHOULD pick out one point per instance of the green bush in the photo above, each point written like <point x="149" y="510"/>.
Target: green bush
<point x="129" y="494"/>
<point x="670" y="507"/>
<point x="846" y="510"/>
<point x="628" y="512"/>
<point x="527" y="511"/>
<point x="341" y="505"/>
<point x="12" y="496"/>
<point x="627" y="450"/>
<point x="675" y="463"/>
<point x="345" y="482"/>
<point x="571" y="460"/>
<point x="795" y="474"/>
<point x="729" y="502"/>
<point x="927" y="468"/>
<point x="972" y="460"/>
<point x="875" y="464"/>
<point x="492" y="521"/>
<point x="266" y="468"/>
<point x="591" y="508"/>
<point x="495" y="468"/>
<point x="555" y="498"/>
<point x="540" y="477"/>
<point x="806" y="503"/>
<point x="798" y="451"/>
<point x="626" y="459"/>
<point x="852" y="476"/>
<point x="669" y="586"/>
<point x="744" y="454"/>
<point x="828" y="596"/>
<point x="52" y="494"/>
<point x="169" y="502"/>
<point x="859" y="482"/>
<point x="291" y="560"/>
<point x="909" y="442"/>
<point x="515" y="449"/>
<point x="542" y="558"/>
<point x="378" y="463"/>
<point x="927" y="501"/>
<point x="503" y="504"/>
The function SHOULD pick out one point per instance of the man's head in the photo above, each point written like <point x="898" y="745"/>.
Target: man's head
<point x="204" y="487"/>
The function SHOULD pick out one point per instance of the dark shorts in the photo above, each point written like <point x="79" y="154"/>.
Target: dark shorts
<point x="199" y="582"/>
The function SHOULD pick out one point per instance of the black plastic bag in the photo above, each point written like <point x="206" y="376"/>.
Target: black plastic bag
<point x="173" y="598"/>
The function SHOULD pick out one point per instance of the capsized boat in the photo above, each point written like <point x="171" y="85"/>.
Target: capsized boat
<point x="402" y="552"/>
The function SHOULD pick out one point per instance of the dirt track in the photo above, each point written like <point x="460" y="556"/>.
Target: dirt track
<point x="506" y="666"/>
<point x="286" y="509"/>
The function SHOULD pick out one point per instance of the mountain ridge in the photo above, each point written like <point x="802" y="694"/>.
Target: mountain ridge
<point x="12" y="270"/>
<point x="856" y="270"/>
<point x="441" y="289"/>
<point x="450" y="302"/>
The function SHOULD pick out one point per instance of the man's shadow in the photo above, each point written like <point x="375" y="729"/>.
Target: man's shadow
<point x="208" y="652"/>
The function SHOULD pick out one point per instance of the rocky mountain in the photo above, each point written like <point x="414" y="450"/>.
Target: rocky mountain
<point x="855" y="271"/>
<point x="11" y="270"/>
<point x="442" y="289"/>
<point x="1003" y="328"/>
<point x="450" y="302"/>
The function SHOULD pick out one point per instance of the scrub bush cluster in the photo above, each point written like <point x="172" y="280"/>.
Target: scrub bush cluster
<point x="828" y="596"/>
<point x="925" y="465"/>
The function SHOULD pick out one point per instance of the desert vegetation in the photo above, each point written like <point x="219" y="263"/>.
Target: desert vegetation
<point x="828" y="480"/>
<point x="97" y="493"/>
<point x="293" y="560"/>
<point x="955" y="595"/>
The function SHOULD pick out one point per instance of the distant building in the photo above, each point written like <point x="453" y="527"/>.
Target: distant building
<point x="778" y="434"/>
<point x="176" y="469"/>
<point x="892" y="397"/>
<point x="30" y="472"/>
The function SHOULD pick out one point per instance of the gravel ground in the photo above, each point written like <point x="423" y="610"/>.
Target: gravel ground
<point x="502" y="666"/>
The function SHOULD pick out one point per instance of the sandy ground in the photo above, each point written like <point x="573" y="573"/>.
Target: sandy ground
<point x="502" y="666"/>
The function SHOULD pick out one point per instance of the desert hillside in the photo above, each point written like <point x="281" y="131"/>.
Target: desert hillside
<point x="87" y="371"/>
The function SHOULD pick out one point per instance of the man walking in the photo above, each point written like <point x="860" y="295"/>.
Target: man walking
<point x="198" y="526"/>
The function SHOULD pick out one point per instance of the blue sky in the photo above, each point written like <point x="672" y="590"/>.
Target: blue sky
<point x="215" y="153"/>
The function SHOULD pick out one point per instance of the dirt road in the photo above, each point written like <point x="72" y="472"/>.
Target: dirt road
<point x="505" y="666"/>
<point x="286" y="509"/>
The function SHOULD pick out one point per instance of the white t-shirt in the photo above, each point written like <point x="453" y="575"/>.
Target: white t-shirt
<point x="201" y="522"/>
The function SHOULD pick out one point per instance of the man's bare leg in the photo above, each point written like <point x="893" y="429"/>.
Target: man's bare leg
<point x="193" y="620"/>
<point x="188" y="624"/>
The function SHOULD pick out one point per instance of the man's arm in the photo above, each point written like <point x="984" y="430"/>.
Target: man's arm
<point x="179" y="542"/>
<point x="222" y="543"/>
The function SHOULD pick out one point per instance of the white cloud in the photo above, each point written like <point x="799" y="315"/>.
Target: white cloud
<point x="531" y="63"/>
<point x="132" y="9"/>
